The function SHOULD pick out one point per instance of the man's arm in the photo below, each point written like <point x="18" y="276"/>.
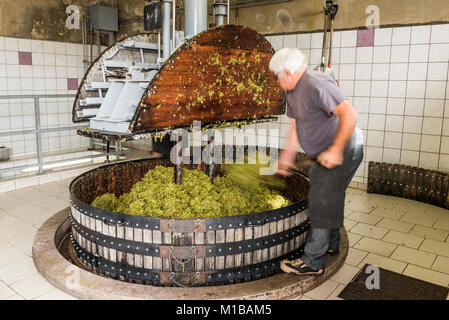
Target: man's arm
<point x="333" y="156"/>
<point x="288" y="155"/>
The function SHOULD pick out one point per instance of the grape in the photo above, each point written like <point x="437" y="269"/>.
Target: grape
<point x="156" y="195"/>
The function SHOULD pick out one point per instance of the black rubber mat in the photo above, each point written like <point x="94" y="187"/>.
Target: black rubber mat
<point x="391" y="286"/>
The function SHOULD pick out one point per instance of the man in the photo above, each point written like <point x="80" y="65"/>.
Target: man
<point x="323" y="124"/>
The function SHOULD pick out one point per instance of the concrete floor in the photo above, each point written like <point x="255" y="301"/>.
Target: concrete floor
<point x="397" y="234"/>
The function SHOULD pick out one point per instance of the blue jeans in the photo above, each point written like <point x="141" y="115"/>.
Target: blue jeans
<point x="320" y="240"/>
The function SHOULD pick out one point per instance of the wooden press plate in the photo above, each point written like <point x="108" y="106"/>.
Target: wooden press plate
<point x="219" y="75"/>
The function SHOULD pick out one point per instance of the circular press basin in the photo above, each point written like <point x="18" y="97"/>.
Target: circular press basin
<point x="181" y="252"/>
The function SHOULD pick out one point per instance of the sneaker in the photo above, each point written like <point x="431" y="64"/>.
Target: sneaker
<point x="332" y="252"/>
<point x="299" y="267"/>
<point x="295" y="262"/>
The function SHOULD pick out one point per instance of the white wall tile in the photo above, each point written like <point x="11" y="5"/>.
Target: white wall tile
<point x="382" y="54"/>
<point x="347" y="72"/>
<point x="395" y="106"/>
<point x="430" y="143"/>
<point x="49" y="59"/>
<point x="440" y="33"/>
<point x="398" y="71"/>
<point x="394" y="123"/>
<point x="412" y="124"/>
<point x="391" y="155"/>
<point x="419" y="53"/>
<point x="393" y="140"/>
<point x="37" y="46"/>
<point x="376" y="122"/>
<point x="60" y="48"/>
<point x="417" y="71"/>
<point x="315" y="57"/>
<point x="401" y="35"/>
<point x="411" y="141"/>
<point x="432" y="125"/>
<point x="397" y="89"/>
<point x="378" y="105"/>
<point x="348" y="38"/>
<point x="445" y="147"/>
<point x="362" y="88"/>
<point x="379" y="88"/>
<point x="363" y="71"/>
<point x="347" y="55"/>
<point x="434" y="108"/>
<point x="11" y="44"/>
<point x="289" y="41"/>
<point x="303" y="40"/>
<point x="420" y="34"/>
<point x="347" y="86"/>
<point x="374" y="154"/>
<point x="381" y="71"/>
<point x="375" y="138"/>
<point x="316" y="41"/>
<point x="428" y="160"/>
<point x="409" y="157"/>
<point x="439" y="52"/>
<point x="416" y="89"/>
<point x="445" y="127"/>
<point x="364" y="55"/>
<point x="437" y="71"/>
<point x="400" y="53"/>
<point x="48" y="46"/>
<point x="443" y="163"/>
<point x="362" y="104"/>
<point x="24" y="45"/>
<point x="277" y="42"/>
<point x="11" y="57"/>
<point x="382" y="36"/>
<point x="436" y="89"/>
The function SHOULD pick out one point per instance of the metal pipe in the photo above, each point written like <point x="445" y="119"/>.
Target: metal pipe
<point x="165" y="29"/>
<point x="62" y="160"/>
<point x="323" y="52"/>
<point x="91" y="44"/>
<point x="220" y="11"/>
<point x="331" y="36"/>
<point x="98" y="44"/>
<point x="195" y="12"/>
<point x="37" y="113"/>
<point x="229" y="9"/>
<point x="158" y="45"/>
<point x="211" y="167"/>
<point x="178" y="161"/>
<point x="173" y="25"/>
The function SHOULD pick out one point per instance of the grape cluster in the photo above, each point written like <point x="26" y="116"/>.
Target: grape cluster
<point x="156" y="195"/>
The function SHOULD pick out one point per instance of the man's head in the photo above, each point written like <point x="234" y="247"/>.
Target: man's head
<point x="288" y="64"/>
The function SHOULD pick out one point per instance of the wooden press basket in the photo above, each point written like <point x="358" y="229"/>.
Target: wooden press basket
<point x="181" y="252"/>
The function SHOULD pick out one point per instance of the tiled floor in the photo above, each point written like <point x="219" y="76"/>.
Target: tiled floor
<point x="396" y="234"/>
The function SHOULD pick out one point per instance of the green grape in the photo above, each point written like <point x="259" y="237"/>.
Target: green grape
<point x="156" y="195"/>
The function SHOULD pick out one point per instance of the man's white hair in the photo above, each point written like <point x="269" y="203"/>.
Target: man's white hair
<point x="288" y="59"/>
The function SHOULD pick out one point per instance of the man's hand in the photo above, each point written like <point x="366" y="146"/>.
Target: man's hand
<point x="331" y="157"/>
<point x="285" y="162"/>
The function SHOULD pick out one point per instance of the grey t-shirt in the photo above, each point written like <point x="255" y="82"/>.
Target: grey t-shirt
<point x="311" y="104"/>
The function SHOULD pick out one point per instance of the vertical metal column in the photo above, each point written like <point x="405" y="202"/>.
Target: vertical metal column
<point x="37" y="114"/>
<point x="195" y="17"/>
<point x="211" y="167"/>
<point x="178" y="161"/>
<point x="118" y="149"/>
<point x="108" y="148"/>
<point x="165" y="29"/>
